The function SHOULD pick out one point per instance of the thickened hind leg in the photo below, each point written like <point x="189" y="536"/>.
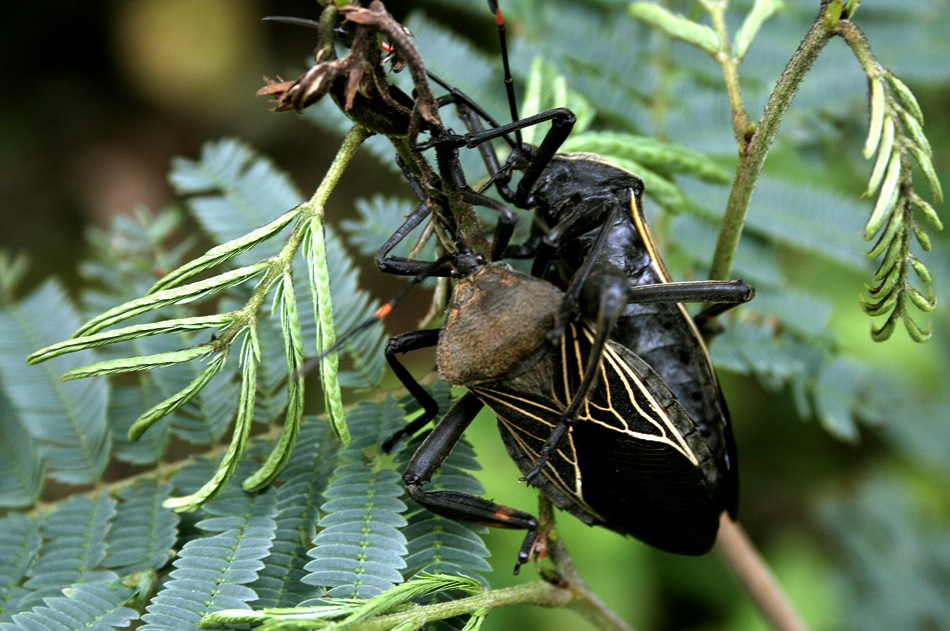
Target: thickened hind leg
<point x="455" y="504"/>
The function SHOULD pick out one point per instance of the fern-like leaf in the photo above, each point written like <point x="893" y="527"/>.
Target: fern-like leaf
<point x="143" y="532"/>
<point x="365" y="350"/>
<point x="438" y="545"/>
<point x="886" y="544"/>
<point x="232" y="191"/>
<point x="114" y="274"/>
<point x="73" y="548"/>
<point x="658" y="156"/>
<point x="19" y="544"/>
<point x="836" y="390"/>
<point x="92" y="607"/>
<point x="213" y="571"/>
<point x="69" y="418"/>
<point x="360" y="550"/>
<point x="378" y="217"/>
<point x="21" y="462"/>
<point x="298" y="501"/>
<point x="811" y="220"/>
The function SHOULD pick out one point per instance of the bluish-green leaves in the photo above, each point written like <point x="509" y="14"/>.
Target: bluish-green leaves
<point x="360" y="549"/>
<point x="895" y="140"/>
<point x="236" y="196"/>
<point x="67" y="420"/>
<point x="677" y="26"/>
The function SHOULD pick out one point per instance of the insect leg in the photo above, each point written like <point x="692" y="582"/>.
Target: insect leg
<point x="401" y="266"/>
<point x="607" y="290"/>
<point x="562" y="121"/>
<point x="506" y="221"/>
<point x="451" y="169"/>
<point x="455" y="504"/>
<point x="727" y="293"/>
<point x="403" y="344"/>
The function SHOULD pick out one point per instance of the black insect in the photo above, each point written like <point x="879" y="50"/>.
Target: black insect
<point x="632" y="460"/>
<point x="590" y="237"/>
<point x="591" y="240"/>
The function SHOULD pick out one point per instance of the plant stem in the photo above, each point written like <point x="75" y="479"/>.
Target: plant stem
<point x="751" y="570"/>
<point x="750" y="163"/>
<point x="534" y="593"/>
<point x="583" y="601"/>
<point x="279" y="264"/>
<point x="730" y="72"/>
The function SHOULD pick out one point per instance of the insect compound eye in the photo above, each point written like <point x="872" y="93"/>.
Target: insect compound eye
<point x="453" y="273"/>
<point x="479" y="258"/>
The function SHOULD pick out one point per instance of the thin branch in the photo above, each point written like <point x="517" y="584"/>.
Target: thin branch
<point x="540" y="593"/>
<point x="751" y="570"/>
<point x="730" y="72"/>
<point x="750" y="164"/>
<point x="583" y="602"/>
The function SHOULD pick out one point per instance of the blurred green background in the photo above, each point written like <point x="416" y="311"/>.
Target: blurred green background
<point x="100" y="95"/>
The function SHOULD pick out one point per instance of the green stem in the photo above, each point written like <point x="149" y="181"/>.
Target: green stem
<point x="730" y="72"/>
<point x="859" y="46"/>
<point x="583" y="601"/>
<point x="750" y="164"/>
<point x="279" y="264"/>
<point x="463" y="214"/>
<point x="563" y="588"/>
<point x="534" y="593"/>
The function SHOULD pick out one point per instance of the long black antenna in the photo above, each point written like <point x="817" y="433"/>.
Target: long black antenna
<point x="286" y="19"/>
<point x="509" y="80"/>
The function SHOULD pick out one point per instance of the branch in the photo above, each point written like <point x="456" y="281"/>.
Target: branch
<point x="750" y="164"/>
<point x="751" y="570"/>
<point x="583" y="602"/>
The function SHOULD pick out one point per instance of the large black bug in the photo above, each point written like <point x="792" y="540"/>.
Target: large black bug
<point x="590" y="237"/>
<point x="633" y="460"/>
<point x="591" y="240"/>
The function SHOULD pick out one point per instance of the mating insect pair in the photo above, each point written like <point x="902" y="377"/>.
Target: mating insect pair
<point x="604" y="392"/>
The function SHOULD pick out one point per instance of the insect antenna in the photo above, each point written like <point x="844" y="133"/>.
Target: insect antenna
<point x="509" y="80"/>
<point x="286" y="19"/>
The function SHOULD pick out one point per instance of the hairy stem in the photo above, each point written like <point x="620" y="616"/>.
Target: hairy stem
<point x="730" y="72"/>
<point x="750" y="163"/>
<point x="534" y="593"/>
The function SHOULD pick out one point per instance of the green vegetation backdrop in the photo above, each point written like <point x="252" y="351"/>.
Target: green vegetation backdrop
<point x="843" y="441"/>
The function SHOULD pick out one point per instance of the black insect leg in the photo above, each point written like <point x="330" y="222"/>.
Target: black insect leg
<point x="506" y="221"/>
<point x="727" y="293"/>
<point x="722" y="294"/>
<point x="455" y="504"/>
<point x="608" y="290"/>
<point x="705" y="320"/>
<point x="451" y="169"/>
<point x="562" y="121"/>
<point x="401" y="266"/>
<point x="403" y="344"/>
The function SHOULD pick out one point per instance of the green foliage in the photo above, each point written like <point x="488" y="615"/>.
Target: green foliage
<point x="299" y="498"/>
<point x="158" y="366"/>
<point x="66" y="553"/>
<point x="212" y="571"/>
<point x="886" y="543"/>
<point x="68" y="419"/>
<point x="437" y="545"/>
<point x="93" y="607"/>
<point x="360" y="550"/>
